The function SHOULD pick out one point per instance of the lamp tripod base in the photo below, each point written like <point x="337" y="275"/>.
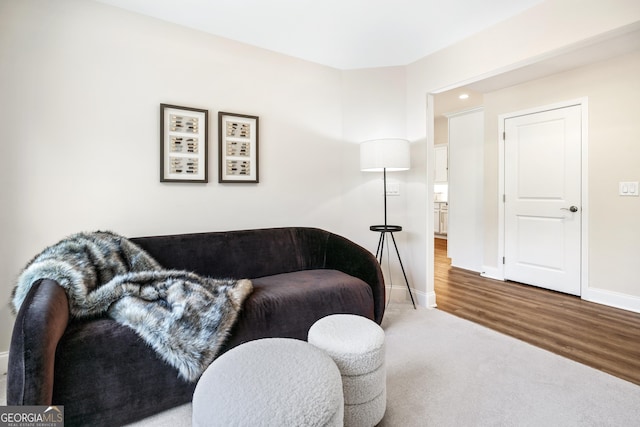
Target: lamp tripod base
<point x="385" y="230"/>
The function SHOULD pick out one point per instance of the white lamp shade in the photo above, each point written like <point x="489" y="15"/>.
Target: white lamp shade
<point x="391" y="154"/>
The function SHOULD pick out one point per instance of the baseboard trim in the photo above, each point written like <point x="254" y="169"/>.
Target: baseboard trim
<point x="400" y="294"/>
<point x="492" y="273"/>
<point x="4" y="362"/>
<point x="424" y="299"/>
<point x="429" y="299"/>
<point x="613" y="299"/>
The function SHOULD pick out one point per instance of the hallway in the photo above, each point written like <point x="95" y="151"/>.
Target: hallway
<point x="599" y="336"/>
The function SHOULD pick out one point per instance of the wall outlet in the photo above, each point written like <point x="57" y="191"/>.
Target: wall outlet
<point x="393" y="188"/>
<point x="628" y="188"/>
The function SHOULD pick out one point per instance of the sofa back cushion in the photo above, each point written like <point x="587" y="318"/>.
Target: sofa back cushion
<point x="240" y="254"/>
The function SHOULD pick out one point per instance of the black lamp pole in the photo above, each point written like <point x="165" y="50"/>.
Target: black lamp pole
<point x="384" y="177"/>
<point x="389" y="229"/>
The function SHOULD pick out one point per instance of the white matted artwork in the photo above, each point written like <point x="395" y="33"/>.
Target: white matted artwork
<point x="183" y="144"/>
<point x="237" y="148"/>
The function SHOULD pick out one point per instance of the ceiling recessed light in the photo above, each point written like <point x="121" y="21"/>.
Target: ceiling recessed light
<point x="464" y="96"/>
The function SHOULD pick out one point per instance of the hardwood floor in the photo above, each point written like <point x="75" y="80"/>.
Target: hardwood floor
<point x="596" y="335"/>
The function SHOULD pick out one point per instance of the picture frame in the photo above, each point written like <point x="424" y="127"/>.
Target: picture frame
<point x="184" y="141"/>
<point x="238" y="148"/>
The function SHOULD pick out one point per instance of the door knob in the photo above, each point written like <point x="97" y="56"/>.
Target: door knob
<point x="572" y="209"/>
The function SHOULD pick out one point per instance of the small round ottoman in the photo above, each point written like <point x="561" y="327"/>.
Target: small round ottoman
<point x="356" y="344"/>
<point x="270" y="382"/>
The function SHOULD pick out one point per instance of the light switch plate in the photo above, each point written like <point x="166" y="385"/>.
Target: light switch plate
<point x="393" y="188"/>
<point x="629" y="188"/>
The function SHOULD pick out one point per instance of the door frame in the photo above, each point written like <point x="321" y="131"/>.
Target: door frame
<point x="584" y="164"/>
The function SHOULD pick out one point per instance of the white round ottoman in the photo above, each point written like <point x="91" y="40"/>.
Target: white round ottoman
<point x="270" y="382"/>
<point x="356" y="344"/>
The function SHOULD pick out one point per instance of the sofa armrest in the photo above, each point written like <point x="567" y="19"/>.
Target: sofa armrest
<point x="40" y="323"/>
<point x="344" y="255"/>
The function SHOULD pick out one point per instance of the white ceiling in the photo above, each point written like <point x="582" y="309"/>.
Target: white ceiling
<point x="344" y="34"/>
<point x="352" y="34"/>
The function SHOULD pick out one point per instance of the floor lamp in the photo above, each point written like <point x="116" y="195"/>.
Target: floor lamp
<point x="386" y="155"/>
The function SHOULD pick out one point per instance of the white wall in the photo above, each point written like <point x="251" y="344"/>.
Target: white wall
<point x="374" y="104"/>
<point x="373" y="107"/>
<point x="441" y="130"/>
<point x="466" y="193"/>
<point x="81" y="84"/>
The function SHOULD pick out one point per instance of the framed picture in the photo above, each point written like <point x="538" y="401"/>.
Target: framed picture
<point x="183" y="144"/>
<point x="237" y="148"/>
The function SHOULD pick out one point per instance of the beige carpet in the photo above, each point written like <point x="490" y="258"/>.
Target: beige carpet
<point x="445" y="371"/>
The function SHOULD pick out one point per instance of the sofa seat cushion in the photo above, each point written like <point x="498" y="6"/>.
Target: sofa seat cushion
<point x="286" y="305"/>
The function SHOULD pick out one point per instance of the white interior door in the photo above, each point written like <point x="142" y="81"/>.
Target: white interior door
<point x="542" y="153"/>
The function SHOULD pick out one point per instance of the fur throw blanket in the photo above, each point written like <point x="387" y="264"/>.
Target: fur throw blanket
<point x="183" y="316"/>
